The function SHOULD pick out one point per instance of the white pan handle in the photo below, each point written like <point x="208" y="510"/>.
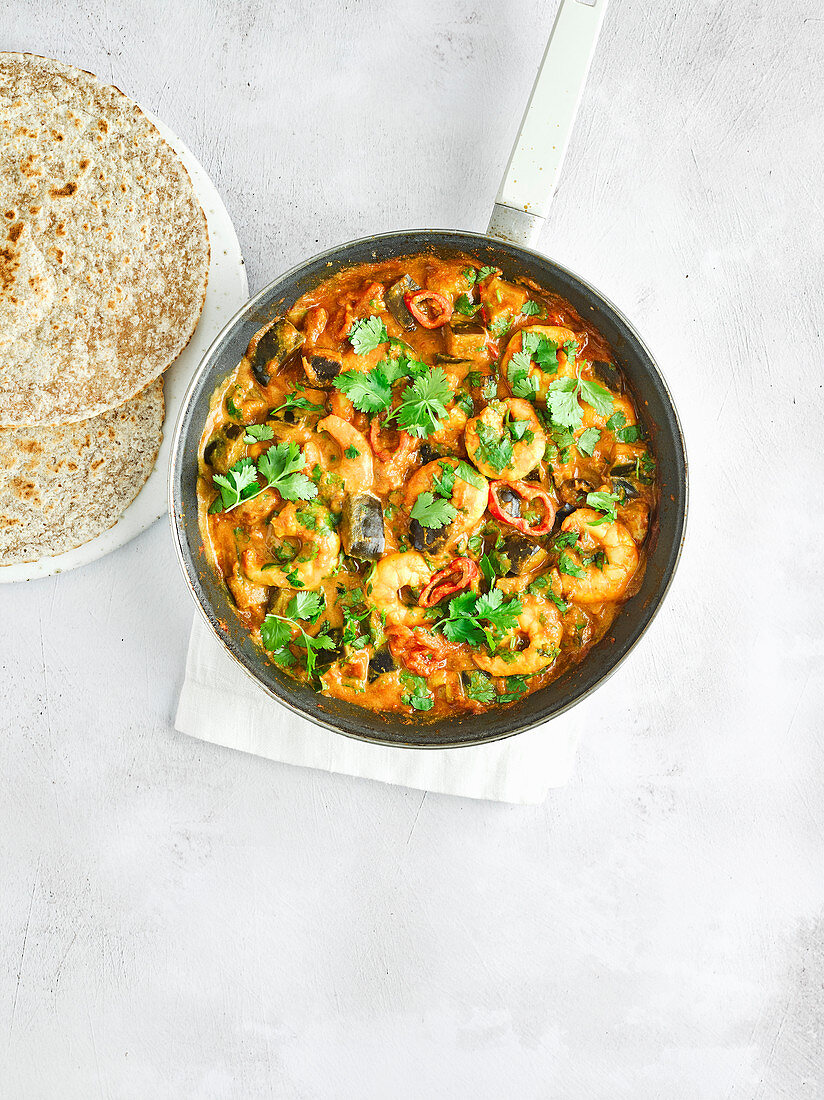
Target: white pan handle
<point x="532" y="173"/>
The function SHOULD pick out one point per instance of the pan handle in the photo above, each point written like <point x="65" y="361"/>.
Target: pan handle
<point x="532" y="173"/>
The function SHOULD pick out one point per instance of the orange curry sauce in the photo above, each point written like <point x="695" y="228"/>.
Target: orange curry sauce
<point x="426" y="487"/>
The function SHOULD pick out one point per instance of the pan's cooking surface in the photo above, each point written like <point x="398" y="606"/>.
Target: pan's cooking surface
<point x="657" y="412"/>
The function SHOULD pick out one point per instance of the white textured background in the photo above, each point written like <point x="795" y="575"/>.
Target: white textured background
<point x="179" y="921"/>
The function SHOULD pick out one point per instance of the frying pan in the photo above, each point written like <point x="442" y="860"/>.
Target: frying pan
<point x="516" y="221"/>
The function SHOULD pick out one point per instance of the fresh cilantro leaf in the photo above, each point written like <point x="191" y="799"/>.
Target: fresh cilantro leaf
<point x="305" y="605"/>
<point x="630" y="434"/>
<point x="275" y="632"/>
<point x="475" y="619"/>
<point x="465" y="306"/>
<point x="519" y="430"/>
<point x="352" y="452"/>
<point x="469" y="474"/>
<point x="540" y="348"/>
<point x="312" y="645"/>
<point x="369" y="392"/>
<point x="444" y="482"/>
<point x="517" y="685"/>
<point x="485" y="272"/>
<point x="423" y="404"/>
<point x="294" y="402"/>
<point x="587" y="440"/>
<point x="566" y="538"/>
<point x="280" y="466"/>
<point x="240" y="483"/>
<point x="367" y="334"/>
<point x="470" y="274"/>
<point x="433" y="512"/>
<point x="494" y="449"/>
<point x="568" y="566"/>
<point x="465" y="402"/>
<point x="256" y="432"/>
<point x="597" y="396"/>
<point x="530" y="308"/>
<point x="480" y="688"/>
<point x="604" y="502"/>
<point x="420" y="697"/>
<point x="563" y="403"/>
<point x="517" y="372"/>
<point x="616" y="421"/>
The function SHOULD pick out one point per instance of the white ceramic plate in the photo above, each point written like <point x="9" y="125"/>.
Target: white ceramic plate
<point x="225" y="294"/>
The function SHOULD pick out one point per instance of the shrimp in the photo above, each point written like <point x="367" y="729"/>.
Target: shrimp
<point x="509" y="432"/>
<point x="316" y="557"/>
<point x="451" y="429"/>
<point x="593" y="419"/>
<point x="561" y="338"/>
<point x="356" y="455"/>
<point x="392" y="574"/>
<point x="469" y="501"/>
<point x="540" y="623"/>
<point x="611" y="582"/>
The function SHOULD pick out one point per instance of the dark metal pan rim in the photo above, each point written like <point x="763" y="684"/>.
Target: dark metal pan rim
<point x="441" y="238"/>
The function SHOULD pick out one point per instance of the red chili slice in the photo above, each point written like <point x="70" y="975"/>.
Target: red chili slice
<point x="459" y="574"/>
<point x="440" y="307"/>
<point x="527" y="492"/>
<point x="418" y="650"/>
<point x="405" y="446"/>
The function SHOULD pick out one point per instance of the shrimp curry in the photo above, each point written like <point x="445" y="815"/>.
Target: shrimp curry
<point x="427" y="487"/>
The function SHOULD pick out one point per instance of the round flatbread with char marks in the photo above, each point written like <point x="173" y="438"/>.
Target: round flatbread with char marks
<point x="61" y="486"/>
<point x="104" y="250"/>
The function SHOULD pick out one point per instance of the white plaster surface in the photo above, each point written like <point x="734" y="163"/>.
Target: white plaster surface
<point x="179" y="921"/>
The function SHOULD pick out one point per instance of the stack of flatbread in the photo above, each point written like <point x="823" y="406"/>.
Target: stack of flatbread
<point x="104" y="257"/>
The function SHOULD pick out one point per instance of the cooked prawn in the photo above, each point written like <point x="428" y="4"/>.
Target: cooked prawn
<point x="621" y="553"/>
<point x="392" y="574"/>
<point x="356" y="455"/>
<point x="317" y="554"/>
<point x="566" y="362"/>
<point x="492" y="423"/>
<point x="540" y="623"/>
<point x="468" y="500"/>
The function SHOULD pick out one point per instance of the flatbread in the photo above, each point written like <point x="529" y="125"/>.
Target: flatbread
<point x="104" y="251"/>
<point x="61" y="486"/>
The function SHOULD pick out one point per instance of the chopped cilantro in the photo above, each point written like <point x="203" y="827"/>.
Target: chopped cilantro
<point x="475" y="619"/>
<point x="605" y="503"/>
<point x="587" y="440"/>
<point x="352" y="452"/>
<point x="367" y="334"/>
<point x="280" y="466"/>
<point x="469" y="474"/>
<point x="423" y="404"/>
<point x="465" y="306"/>
<point x="568" y="566"/>
<point x="530" y="308"/>
<point x="480" y="688"/>
<point x="433" y="512"/>
<point x="255" y="433"/>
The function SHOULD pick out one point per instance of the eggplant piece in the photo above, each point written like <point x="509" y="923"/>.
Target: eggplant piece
<point x="622" y="469"/>
<point x="511" y="499"/>
<point x="427" y="454"/>
<point x="466" y="341"/>
<point x="574" y="491"/>
<point x="624" y="488"/>
<point x="361" y="528"/>
<point x="322" y="366"/>
<point x="397" y="306"/>
<point x="380" y="663"/>
<point x="522" y="554"/>
<point x="272" y="347"/>
<point x="426" y="538"/>
<point x="214" y="453"/>
<point x="608" y="375"/>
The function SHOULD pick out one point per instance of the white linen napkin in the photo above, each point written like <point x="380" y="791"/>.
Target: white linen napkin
<point x="221" y="704"/>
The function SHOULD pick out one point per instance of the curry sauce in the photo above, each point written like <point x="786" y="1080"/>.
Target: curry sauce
<point x="426" y="487"/>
